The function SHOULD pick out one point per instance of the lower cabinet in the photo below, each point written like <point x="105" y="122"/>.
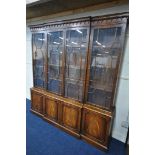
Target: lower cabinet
<point x="80" y="120"/>
<point x="96" y="127"/>
<point x="37" y="102"/>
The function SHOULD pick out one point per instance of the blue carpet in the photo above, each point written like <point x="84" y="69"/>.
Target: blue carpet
<point x="45" y="139"/>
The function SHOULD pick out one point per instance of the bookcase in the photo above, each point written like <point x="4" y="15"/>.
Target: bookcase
<point x="76" y="65"/>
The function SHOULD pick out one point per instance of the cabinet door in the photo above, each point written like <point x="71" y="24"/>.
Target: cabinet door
<point x="55" y="51"/>
<point x="51" y="108"/>
<point x="76" y="56"/>
<point x="37" y="102"/>
<point x="71" y="116"/>
<point x="106" y="49"/>
<point x="95" y="126"/>
<point x="39" y="59"/>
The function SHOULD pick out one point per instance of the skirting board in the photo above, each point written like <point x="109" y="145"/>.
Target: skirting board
<point x="119" y="136"/>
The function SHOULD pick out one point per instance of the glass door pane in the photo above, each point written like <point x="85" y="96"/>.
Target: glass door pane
<point x="55" y="50"/>
<point x="39" y="54"/>
<point x="104" y="57"/>
<point x="76" y="49"/>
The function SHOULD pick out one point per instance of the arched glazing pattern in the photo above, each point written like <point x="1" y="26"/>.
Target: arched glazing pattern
<point x="105" y="54"/>
<point x="39" y="56"/>
<point x="55" y="52"/>
<point x="76" y="49"/>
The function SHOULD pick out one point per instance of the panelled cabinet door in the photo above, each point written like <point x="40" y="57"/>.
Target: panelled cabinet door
<point x="95" y="126"/>
<point x="51" y="108"/>
<point x="39" y="59"/>
<point x="71" y="116"/>
<point x="37" y="102"/>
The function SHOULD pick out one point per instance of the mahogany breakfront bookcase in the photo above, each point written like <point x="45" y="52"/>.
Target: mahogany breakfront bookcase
<point x="76" y="64"/>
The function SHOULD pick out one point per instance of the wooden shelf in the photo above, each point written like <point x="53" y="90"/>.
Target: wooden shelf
<point x="51" y="78"/>
<point x="74" y="79"/>
<point x="39" y="66"/>
<point x="54" y="65"/>
<point x="38" y="79"/>
<point x="102" y="88"/>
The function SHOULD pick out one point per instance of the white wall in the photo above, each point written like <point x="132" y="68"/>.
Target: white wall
<point x="122" y="100"/>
